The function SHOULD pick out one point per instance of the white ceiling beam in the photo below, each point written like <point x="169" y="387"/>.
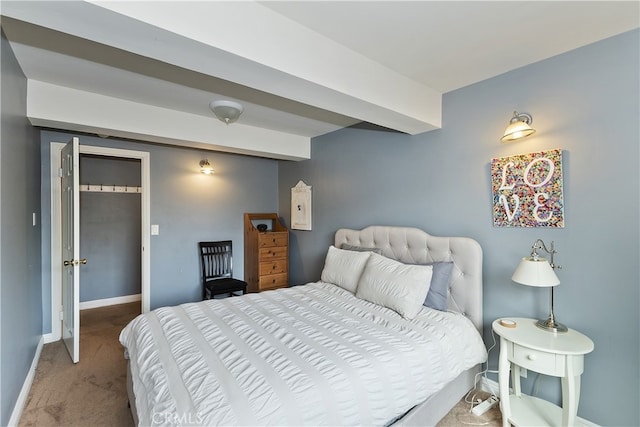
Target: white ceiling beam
<point x="64" y="108"/>
<point x="249" y="44"/>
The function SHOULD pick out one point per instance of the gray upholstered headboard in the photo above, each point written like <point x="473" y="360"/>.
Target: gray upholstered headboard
<point x="414" y="246"/>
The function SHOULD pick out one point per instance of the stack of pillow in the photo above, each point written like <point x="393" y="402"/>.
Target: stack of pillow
<point x="404" y="288"/>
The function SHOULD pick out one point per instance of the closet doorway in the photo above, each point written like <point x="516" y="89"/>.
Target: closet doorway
<point x="140" y="161"/>
<point x="110" y="231"/>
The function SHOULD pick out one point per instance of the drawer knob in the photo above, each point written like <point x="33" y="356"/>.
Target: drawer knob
<point x="531" y="357"/>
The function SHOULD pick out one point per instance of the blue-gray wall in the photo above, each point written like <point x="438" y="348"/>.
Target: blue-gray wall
<point x="188" y="206"/>
<point x="110" y="229"/>
<point x="585" y="102"/>
<point x="20" y="291"/>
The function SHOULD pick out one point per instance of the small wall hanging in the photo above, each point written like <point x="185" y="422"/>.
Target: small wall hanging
<point x="527" y="190"/>
<point x="301" y="206"/>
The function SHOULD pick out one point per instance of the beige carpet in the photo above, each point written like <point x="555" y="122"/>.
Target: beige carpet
<point x="93" y="392"/>
<point x="461" y="414"/>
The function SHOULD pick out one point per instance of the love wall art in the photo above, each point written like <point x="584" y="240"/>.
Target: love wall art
<point x="527" y="190"/>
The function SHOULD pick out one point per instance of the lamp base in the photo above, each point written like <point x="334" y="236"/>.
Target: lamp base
<point x="551" y="325"/>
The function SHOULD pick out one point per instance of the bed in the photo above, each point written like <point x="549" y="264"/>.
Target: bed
<point x="350" y="349"/>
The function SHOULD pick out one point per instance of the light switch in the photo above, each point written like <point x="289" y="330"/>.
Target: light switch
<point x="155" y="229"/>
<point x="33" y="219"/>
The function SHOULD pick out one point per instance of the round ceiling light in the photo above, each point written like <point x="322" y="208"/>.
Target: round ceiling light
<point x="226" y="111"/>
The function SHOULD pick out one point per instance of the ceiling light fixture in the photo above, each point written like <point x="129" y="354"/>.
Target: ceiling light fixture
<point x="205" y="167"/>
<point x="519" y="127"/>
<point x="226" y="111"/>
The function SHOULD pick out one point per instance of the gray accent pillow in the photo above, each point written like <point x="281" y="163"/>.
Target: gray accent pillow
<point x="439" y="290"/>
<point x="349" y="247"/>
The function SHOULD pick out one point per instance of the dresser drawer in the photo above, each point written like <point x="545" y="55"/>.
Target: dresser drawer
<point x="273" y="281"/>
<point x="538" y="361"/>
<point x="271" y="239"/>
<point x="267" y="254"/>
<point x="273" y="267"/>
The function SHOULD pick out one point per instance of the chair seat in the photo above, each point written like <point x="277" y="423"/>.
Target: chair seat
<point x="225" y="285"/>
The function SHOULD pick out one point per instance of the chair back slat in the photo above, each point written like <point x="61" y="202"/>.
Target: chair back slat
<point x="216" y="259"/>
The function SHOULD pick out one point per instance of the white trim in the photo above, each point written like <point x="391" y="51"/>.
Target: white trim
<point x="490" y="386"/>
<point x="145" y="177"/>
<point x="49" y="338"/>
<point x="56" y="239"/>
<point x="86" y="305"/>
<point x="56" y="257"/>
<point x="26" y="387"/>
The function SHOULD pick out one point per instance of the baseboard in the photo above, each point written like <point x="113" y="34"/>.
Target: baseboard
<point x="491" y="386"/>
<point x="110" y="301"/>
<point x="26" y="387"/>
<point x="49" y="338"/>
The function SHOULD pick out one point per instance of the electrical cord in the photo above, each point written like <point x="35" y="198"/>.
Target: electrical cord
<point x="472" y="395"/>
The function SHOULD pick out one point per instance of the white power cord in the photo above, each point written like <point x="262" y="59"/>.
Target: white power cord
<point x="479" y="407"/>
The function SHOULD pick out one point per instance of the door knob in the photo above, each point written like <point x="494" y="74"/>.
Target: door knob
<point x="67" y="263"/>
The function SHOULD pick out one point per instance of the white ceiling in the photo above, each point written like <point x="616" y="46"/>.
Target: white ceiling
<point x="300" y="68"/>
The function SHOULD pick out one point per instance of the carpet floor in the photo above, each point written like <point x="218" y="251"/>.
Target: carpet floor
<point x="93" y="391"/>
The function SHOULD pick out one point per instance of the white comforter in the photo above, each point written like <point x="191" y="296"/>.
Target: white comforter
<point x="306" y="355"/>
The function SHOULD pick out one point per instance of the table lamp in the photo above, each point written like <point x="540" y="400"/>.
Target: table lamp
<point x="535" y="271"/>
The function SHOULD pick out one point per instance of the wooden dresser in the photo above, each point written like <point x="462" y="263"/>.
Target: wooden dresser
<point x="266" y="253"/>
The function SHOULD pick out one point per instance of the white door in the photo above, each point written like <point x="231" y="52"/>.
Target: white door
<point x="70" y="205"/>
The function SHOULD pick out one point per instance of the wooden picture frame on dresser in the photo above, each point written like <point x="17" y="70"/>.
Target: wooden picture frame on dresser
<point x="266" y="253"/>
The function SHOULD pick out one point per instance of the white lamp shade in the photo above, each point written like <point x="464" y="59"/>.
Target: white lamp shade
<point x="535" y="272"/>
<point x="517" y="130"/>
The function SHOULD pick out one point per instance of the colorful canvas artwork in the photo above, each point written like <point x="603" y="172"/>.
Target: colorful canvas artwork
<point x="527" y="190"/>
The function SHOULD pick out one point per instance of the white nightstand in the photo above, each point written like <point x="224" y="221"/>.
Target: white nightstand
<point x="549" y="353"/>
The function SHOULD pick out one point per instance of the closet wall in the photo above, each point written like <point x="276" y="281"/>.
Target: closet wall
<point x="109" y="228"/>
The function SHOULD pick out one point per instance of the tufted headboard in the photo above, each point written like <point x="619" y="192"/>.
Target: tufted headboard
<point x="414" y="246"/>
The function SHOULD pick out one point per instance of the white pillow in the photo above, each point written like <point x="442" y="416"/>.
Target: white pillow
<point x="343" y="268"/>
<point x="392" y="284"/>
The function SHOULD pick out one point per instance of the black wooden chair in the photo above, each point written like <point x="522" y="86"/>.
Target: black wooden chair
<point x="217" y="270"/>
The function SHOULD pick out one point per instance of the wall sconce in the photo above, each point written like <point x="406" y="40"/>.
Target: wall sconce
<point x="226" y="111"/>
<point x="519" y="127"/>
<point x="536" y="271"/>
<point x="205" y="167"/>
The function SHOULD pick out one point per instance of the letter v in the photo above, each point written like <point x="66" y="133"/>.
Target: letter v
<point x="510" y="214"/>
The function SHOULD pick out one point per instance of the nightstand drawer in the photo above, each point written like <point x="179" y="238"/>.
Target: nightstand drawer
<point x="538" y="361"/>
